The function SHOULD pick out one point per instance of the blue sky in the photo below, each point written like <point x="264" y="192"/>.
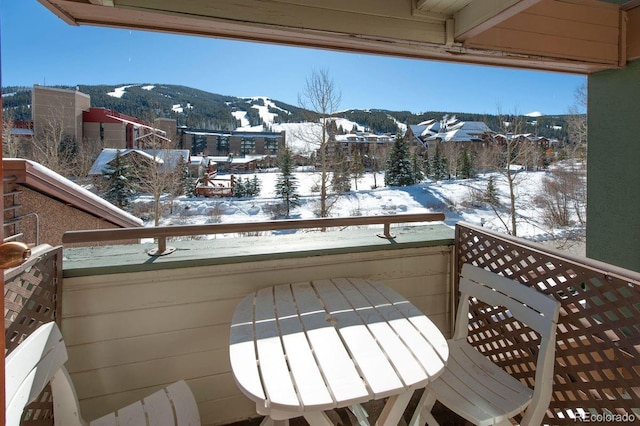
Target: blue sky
<point x="38" y="47"/>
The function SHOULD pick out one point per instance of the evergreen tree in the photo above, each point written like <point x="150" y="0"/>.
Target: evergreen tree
<point x="357" y="167"/>
<point x="286" y="185"/>
<point x="426" y="164"/>
<point x="183" y="184"/>
<point x="239" y="188"/>
<point x="466" y="164"/>
<point x="341" y="178"/>
<point x="438" y="165"/>
<point x="398" y="171"/>
<point x="491" y="193"/>
<point x="418" y="175"/>
<point x="119" y="189"/>
<point x="254" y="187"/>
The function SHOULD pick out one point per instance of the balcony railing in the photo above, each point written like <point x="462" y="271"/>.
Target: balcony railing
<point x="163" y="233"/>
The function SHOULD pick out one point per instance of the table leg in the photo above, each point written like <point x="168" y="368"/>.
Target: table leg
<point x="317" y="418"/>
<point x="394" y="409"/>
<point x="268" y="421"/>
<point x="360" y="413"/>
<point x="423" y="411"/>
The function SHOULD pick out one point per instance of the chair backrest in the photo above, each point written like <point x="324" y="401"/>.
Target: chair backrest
<point x="30" y="367"/>
<point x="535" y="309"/>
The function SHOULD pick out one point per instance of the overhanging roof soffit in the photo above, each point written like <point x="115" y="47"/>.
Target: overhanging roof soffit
<point x="479" y="16"/>
<point x="580" y="36"/>
<point x="632" y="24"/>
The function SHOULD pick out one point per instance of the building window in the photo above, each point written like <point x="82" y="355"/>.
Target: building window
<point x="223" y="145"/>
<point x="199" y="144"/>
<point x="271" y="146"/>
<point x="247" y="146"/>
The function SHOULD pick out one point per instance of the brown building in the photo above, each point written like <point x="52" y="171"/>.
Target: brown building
<point x="110" y="129"/>
<point x="40" y="206"/>
<point x="54" y="109"/>
<point x="70" y="112"/>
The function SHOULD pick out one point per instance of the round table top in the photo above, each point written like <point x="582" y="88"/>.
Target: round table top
<point x="326" y="344"/>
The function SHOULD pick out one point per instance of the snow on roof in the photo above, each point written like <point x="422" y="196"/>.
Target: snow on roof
<point x="417" y="129"/>
<point x="458" y="135"/>
<point x="62" y="184"/>
<point x="234" y="160"/>
<point x="168" y="158"/>
<point x="471" y="126"/>
<point x="455" y="131"/>
<point x="363" y="138"/>
<point x="108" y="154"/>
<point x="148" y="87"/>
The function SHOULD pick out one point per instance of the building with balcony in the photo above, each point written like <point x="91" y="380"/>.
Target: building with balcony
<point x="237" y="143"/>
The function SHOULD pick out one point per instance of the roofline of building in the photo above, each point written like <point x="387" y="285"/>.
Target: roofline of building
<point x="59" y="89"/>
<point x="31" y="175"/>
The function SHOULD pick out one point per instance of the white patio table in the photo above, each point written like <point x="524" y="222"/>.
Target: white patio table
<point x="302" y="349"/>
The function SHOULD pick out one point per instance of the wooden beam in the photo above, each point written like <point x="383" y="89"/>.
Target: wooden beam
<point x="102" y="2"/>
<point x="478" y="17"/>
<point x="633" y="33"/>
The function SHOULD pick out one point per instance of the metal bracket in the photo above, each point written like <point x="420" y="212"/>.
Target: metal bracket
<point x="162" y="249"/>
<point x="387" y="232"/>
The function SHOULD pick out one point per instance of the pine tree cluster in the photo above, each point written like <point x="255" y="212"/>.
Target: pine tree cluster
<point x="246" y="188"/>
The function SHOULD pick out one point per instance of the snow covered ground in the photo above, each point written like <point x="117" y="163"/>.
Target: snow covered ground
<point x="455" y="198"/>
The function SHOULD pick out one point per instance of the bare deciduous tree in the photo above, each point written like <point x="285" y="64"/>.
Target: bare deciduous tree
<point x="52" y="147"/>
<point x="11" y="145"/>
<point x="451" y="151"/>
<point x="321" y="96"/>
<point x="513" y="155"/>
<point x="563" y="197"/>
<point x="486" y="156"/>
<point x="155" y="174"/>
<point x="577" y="118"/>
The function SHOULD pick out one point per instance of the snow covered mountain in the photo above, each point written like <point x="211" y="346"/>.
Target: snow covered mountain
<point x="196" y="108"/>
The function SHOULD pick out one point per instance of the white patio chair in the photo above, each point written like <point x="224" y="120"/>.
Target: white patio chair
<point x="474" y="387"/>
<point x="40" y="359"/>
